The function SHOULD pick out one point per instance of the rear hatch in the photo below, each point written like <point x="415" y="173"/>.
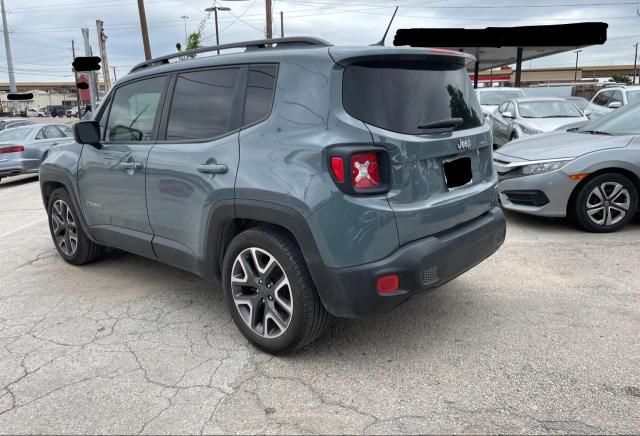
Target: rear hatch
<point x="440" y="176"/>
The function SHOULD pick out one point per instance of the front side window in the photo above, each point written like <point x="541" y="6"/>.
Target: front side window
<point x="601" y="99"/>
<point x="202" y="105"/>
<point x="260" y="90"/>
<point x="616" y="96"/>
<point x="133" y="111"/>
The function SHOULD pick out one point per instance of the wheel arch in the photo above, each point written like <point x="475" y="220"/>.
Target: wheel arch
<point x="635" y="179"/>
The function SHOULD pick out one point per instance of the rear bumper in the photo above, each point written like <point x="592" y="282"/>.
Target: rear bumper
<point x="17" y="166"/>
<point x="421" y="265"/>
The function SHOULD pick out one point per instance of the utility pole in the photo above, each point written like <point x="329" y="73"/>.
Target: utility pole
<point x="269" y="29"/>
<point x="635" y="64"/>
<point x="75" y="73"/>
<point x="215" y="10"/>
<point x="90" y="75"/>
<point x="102" y="43"/>
<point x="575" y="73"/>
<point x="281" y="24"/>
<point x="7" y="48"/>
<point x="145" y="31"/>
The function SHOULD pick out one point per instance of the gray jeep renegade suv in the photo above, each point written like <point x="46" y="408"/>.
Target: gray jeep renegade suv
<point x="305" y="179"/>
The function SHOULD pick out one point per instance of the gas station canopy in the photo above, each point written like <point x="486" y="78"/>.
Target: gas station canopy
<point x="497" y="46"/>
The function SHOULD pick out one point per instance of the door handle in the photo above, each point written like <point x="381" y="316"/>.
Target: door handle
<point x="130" y="165"/>
<point x="213" y="169"/>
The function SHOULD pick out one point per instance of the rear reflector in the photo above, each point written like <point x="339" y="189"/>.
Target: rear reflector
<point x="337" y="166"/>
<point x="388" y="284"/>
<point x="365" y="170"/>
<point x="11" y="149"/>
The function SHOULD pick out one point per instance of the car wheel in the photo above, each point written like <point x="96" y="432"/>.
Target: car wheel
<point x="73" y="245"/>
<point x="605" y="203"/>
<point x="270" y="293"/>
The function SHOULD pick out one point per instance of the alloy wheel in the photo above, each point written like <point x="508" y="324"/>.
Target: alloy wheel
<point x="261" y="292"/>
<point x="64" y="228"/>
<point x="608" y="203"/>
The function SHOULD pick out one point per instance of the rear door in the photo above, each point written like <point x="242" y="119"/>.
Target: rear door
<point x="111" y="179"/>
<point x="192" y="168"/>
<point x="439" y="178"/>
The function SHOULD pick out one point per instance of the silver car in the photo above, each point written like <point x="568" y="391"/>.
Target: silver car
<point x="591" y="175"/>
<point x="22" y="149"/>
<point x="490" y="98"/>
<point x="521" y="117"/>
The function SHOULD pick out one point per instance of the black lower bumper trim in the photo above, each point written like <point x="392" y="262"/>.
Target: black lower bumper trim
<point x="420" y="265"/>
<point x="527" y="197"/>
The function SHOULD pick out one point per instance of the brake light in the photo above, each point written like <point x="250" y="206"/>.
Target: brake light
<point x="337" y="166"/>
<point x="365" y="170"/>
<point x="443" y="51"/>
<point x="11" y="149"/>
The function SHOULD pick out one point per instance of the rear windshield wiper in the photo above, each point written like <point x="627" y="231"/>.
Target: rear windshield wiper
<point x="595" y="132"/>
<point x="445" y="125"/>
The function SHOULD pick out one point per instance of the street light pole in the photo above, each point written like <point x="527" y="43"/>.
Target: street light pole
<point x="215" y="10"/>
<point x="186" y="37"/>
<point x="7" y="47"/>
<point x="575" y="73"/>
<point x="635" y="64"/>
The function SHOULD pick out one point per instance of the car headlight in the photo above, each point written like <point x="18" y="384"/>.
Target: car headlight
<point x="530" y="131"/>
<point x="544" y="167"/>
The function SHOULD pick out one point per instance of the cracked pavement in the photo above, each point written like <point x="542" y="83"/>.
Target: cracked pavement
<point x="541" y="338"/>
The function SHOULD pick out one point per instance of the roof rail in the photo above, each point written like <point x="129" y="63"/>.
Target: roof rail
<point x="249" y="45"/>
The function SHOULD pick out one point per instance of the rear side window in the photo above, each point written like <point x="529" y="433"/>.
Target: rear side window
<point x="402" y="95"/>
<point x="202" y="105"/>
<point x="260" y="90"/>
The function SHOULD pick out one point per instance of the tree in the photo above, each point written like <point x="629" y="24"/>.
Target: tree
<point x="195" y="38"/>
<point x="620" y="79"/>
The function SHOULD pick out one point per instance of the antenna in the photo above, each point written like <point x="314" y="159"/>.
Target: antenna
<point x="381" y="42"/>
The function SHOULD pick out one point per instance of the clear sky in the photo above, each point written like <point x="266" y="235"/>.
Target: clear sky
<point x="42" y="30"/>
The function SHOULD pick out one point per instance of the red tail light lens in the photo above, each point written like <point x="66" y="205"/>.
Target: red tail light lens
<point x="337" y="166"/>
<point x="11" y="149"/>
<point x="365" y="170"/>
<point x="388" y="284"/>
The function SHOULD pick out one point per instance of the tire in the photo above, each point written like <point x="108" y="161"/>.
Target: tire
<point x="605" y="203"/>
<point x="62" y="212"/>
<point x="306" y="319"/>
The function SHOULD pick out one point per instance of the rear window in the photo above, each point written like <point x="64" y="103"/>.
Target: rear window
<point x="402" y="95"/>
<point x="15" y="134"/>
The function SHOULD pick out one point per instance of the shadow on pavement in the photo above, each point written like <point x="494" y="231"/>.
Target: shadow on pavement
<point x="7" y="182"/>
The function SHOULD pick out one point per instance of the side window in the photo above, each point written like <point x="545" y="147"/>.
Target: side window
<point x="102" y="120"/>
<point x="604" y="98"/>
<point x="616" y="96"/>
<point x="202" y="105"/>
<point x="66" y="131"/>
<point x="133" y="111"/>
<point x="41" y="134"/>
<point x="503" y="107"/>
<point x="52" y="132"/>
<point x="260" y="90"/>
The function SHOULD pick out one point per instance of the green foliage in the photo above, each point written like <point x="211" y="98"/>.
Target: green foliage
<point x="620" y="79"/>
<point x="194" y="39"/>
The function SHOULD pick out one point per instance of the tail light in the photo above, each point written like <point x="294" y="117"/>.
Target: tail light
<point x="360" y="170"/>
<point x="11" y="149"/>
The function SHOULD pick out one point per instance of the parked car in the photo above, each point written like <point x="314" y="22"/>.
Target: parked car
<point x="591" y="175"/>
<point x="56" y="111"/>
<point x="9" y="123"/>
<point x="491" y="98"/>
<point x="581" y="102"/>
<point x="73" y="112"/>
<point x="295" y="176"/>
<point x="33" y="112"/>
<point x="22" y="149"/>
<point x="520" y="117"/>
<point x="611" y="98"/>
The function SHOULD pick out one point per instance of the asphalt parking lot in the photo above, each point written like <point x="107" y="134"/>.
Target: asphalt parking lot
<point x="541" y="338"/>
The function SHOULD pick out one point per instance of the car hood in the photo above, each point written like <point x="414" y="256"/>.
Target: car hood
<point x="548" y="124"/>
<point x="555" y="145"/>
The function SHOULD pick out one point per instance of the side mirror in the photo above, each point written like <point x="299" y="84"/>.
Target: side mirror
<point x="587" y="112"/>
<point x="87" y="132"/>
<point x="507" y="114"/>
<point x="614" y="105"/>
